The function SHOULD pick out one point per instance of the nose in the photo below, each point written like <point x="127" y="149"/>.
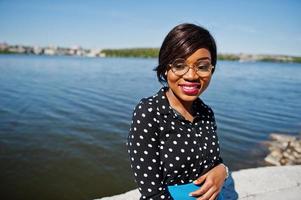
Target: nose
<point x="191" y="74"/>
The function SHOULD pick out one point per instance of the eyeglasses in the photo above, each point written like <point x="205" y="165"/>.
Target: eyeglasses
<point x="179" y="67"/>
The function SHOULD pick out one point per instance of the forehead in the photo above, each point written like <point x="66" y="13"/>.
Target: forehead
<point x="200" y="54"/>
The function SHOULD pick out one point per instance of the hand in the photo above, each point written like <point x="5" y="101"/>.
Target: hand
<point x="214" y="180"/>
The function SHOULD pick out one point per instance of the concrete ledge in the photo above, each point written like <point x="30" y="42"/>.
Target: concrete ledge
<point x="265" y="183"/>
<point x="269" y="183"/>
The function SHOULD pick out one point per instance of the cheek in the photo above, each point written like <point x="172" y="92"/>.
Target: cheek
<point x="205" y="82"/>
<point x="171" y="78"/>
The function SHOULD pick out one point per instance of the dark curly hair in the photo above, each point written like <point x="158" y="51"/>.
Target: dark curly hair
<point x="182" y="41"/>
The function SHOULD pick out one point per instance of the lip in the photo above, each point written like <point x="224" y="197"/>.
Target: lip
<point x="190" y="88"/>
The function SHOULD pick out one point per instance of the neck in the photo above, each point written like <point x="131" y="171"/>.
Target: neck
<point x="178" y="104"/>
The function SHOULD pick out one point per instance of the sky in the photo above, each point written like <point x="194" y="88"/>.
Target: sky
<point x="238" y="26"/>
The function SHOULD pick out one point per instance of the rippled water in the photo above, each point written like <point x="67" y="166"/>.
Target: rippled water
<point x="64" y="120"/>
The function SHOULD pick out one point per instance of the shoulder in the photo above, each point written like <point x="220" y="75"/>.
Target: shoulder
<point x="147" y="107"/>
<point x="144" y="107"/>
<point x="150" y="104"/>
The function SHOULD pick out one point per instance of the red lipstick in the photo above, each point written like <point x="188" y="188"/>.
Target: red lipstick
<point x="190" y="88"/>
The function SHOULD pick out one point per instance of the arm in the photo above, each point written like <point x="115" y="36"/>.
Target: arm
<point x="214" y="177"/>
<point x="143" y="142"/>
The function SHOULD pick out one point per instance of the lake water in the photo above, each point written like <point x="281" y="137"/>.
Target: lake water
<point x="64" y="120"/>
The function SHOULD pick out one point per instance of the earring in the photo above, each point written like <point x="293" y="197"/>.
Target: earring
<point x="165" y="73"/>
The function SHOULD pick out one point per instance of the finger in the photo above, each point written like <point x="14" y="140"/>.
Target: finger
<point x="207" y="195"/>
<point x="200" y="179"/>
<point x="213" y="197"/>
<point x="204" y="188"/>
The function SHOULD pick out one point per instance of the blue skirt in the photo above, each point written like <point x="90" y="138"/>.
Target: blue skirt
<point x="181" y="192"/>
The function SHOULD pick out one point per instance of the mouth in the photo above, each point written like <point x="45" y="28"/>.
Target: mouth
<point x="190" y="88"/>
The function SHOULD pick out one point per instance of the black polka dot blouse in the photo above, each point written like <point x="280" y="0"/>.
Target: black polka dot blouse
<point x="166" y="149"/>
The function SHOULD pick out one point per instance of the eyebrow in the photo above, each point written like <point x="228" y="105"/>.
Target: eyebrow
<point x="203" y="58"/>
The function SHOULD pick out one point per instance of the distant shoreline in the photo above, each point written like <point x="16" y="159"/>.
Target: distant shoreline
<point x="154" y="52"/>
<point x="133" y="52"/>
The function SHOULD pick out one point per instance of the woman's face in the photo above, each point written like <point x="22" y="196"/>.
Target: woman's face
<point x="190" y="85"/>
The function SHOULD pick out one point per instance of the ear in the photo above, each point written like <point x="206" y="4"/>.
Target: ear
<point x="165" y="73"/>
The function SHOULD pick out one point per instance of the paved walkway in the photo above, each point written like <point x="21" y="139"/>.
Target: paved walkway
<point x="265" y="183"/>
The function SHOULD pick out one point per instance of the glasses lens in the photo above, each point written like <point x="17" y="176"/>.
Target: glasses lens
<point x="179" y="67"/>
<point x="203" y="68"/>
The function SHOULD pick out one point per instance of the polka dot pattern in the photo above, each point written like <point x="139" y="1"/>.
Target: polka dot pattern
<point x="165" y="149"/>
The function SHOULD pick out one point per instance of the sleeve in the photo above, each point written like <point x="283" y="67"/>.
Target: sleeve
<point x="212" y="158"/>
<point x="143" y="149"/>
<point x="219" y="159"/>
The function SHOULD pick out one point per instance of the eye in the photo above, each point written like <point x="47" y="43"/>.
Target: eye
<point x="203" y="66"/>
<point x="179" y="64"/>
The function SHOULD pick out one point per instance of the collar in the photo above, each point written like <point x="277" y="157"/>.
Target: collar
<point x="164" y="108"/>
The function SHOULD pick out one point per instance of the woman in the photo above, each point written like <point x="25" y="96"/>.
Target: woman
<point x="172" y="143"/>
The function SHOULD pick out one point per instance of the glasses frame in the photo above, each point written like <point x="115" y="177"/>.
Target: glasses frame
<point x="198" y="72"/>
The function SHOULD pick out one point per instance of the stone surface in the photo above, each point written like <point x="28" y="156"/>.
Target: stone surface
<point x="269" y="183"/>
<point x="284" y="150"/>
<point x="265" y="183"/>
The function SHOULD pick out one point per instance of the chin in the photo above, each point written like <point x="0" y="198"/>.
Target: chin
<point x="188" y="98"/>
